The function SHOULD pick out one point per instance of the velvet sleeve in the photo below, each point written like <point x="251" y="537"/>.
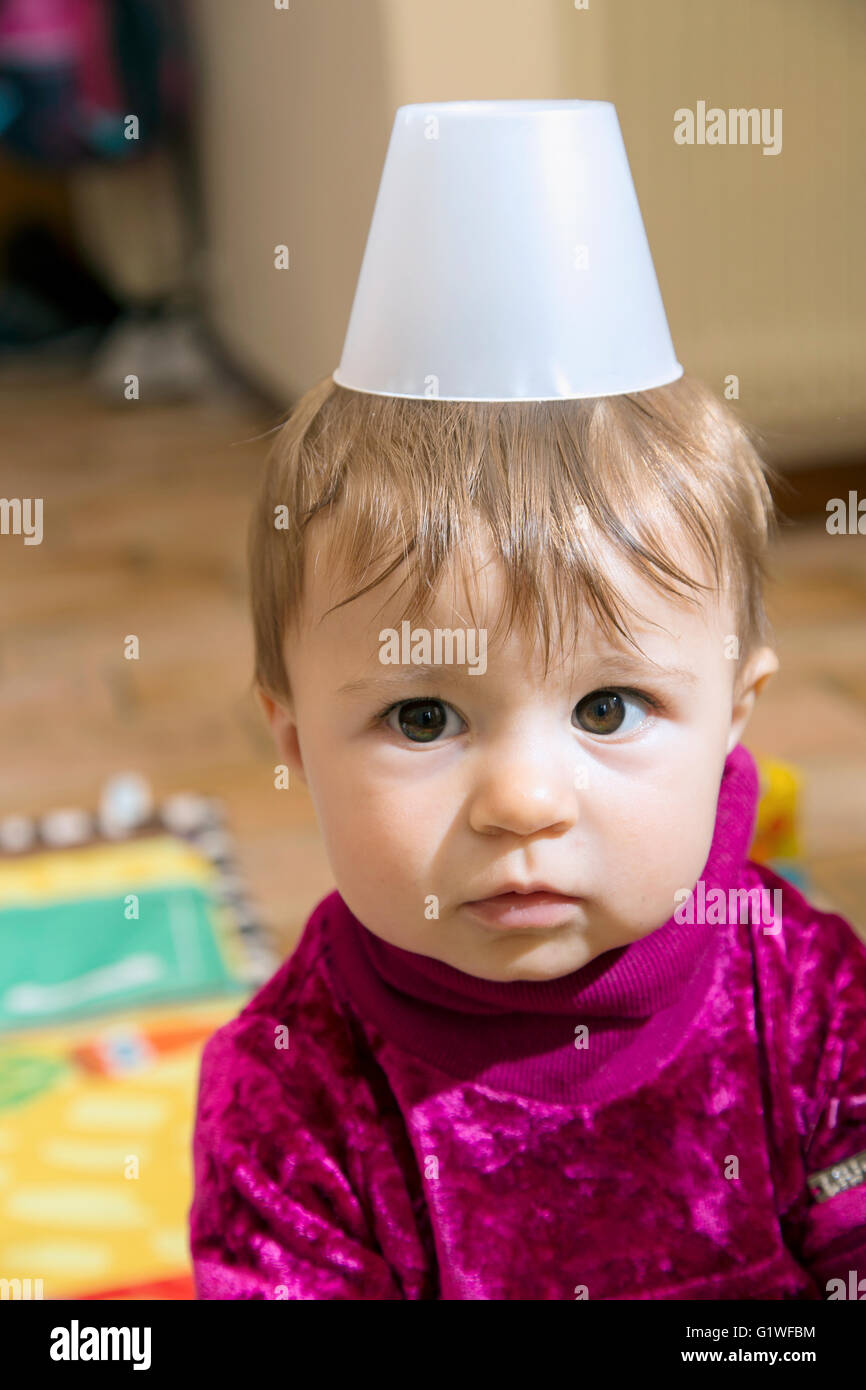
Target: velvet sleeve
<point x="830" y="1006"/>
<point x="274" y="1214"/>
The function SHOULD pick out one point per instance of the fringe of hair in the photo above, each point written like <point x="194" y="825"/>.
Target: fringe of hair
<point x="413" y="480"/>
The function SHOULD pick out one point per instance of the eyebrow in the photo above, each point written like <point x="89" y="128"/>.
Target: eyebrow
<point x="605" y="669"/>
<point x="401" y="677"/>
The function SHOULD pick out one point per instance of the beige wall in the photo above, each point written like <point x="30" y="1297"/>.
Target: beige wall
<point x="293" y="128"/>
<point x="759" y="257"/>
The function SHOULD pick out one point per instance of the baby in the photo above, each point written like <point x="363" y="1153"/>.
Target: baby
<point x="544" y="1041"/>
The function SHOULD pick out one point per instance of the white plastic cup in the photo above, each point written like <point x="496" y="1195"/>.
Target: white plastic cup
<point x="507" y="260"/>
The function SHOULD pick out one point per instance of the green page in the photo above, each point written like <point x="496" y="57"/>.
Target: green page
<point x="63" y="960"/>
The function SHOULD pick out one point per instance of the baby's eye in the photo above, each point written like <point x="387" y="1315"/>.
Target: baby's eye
<point x="605" y="712"/>
<point x="422" y="721"/>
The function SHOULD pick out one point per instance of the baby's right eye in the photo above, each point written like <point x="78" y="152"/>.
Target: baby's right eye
<point x="422" y="721"/>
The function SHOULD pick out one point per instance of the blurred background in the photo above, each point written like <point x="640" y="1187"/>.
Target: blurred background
<point x="154" y="157"/>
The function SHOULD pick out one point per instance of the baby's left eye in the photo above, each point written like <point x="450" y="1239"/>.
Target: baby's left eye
<point x="605" y="712"/>
<point x="422" y="720"/>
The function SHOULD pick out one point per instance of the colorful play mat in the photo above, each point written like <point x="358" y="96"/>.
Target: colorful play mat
<point x="118" y="958"/>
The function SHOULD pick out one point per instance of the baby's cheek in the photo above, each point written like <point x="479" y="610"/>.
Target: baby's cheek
<point x="375" y="850"/>
<point x="682" y="860"/>
<point x="668" y="850"/>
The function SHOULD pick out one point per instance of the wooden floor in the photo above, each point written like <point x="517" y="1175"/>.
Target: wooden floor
<point x="145" y="512"/>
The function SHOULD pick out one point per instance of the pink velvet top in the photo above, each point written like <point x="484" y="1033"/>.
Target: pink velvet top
<point x="378" y="1125"/>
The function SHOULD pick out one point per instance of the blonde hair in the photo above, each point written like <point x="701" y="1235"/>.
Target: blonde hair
<point x="409" y="480"/>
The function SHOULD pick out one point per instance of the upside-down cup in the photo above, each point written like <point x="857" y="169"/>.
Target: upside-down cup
<point x="507" y="260"/>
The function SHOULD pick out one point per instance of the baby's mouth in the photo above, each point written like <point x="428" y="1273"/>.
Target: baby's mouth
<point x="540" y="907"/>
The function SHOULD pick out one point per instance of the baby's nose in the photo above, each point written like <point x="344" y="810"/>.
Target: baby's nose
<point x="524" y="796"/>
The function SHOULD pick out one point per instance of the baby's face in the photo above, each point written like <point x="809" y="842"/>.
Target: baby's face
<point x="599" y="781"/>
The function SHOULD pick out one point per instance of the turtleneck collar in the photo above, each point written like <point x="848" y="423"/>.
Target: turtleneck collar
<point x="520" y="1035"/>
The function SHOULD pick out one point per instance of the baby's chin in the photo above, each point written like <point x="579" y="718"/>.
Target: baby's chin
<point x="531" y="956"/>
<point x="536" y="956"/>
<point x="512" y="954"/>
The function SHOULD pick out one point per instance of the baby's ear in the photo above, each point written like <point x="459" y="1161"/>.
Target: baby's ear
<point x="757" y="670"/>
<point x="284" y="728"/>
